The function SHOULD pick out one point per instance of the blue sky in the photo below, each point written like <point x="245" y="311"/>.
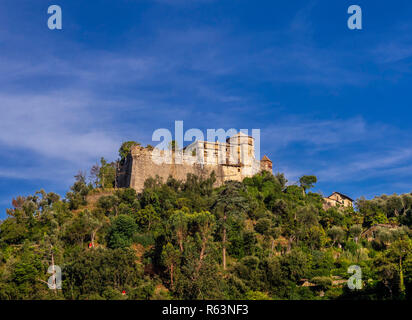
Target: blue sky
<point x="329" y="101"/>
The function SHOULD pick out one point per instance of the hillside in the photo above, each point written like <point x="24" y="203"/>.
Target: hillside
<point x="256" y="239"/>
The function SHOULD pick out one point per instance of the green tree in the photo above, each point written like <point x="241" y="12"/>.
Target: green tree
<point x="107" y="174"/>
<point x="399" y="251"/>
<point x="337" y="234"/>
<point x="179" y="221"/>
<point x="101" y="273"/>
<point x="307" y="182"/>
<point x="126" y="148"/>
<point x="121" y="232"/>
<point x="229" y="203"/>
<point x="171" y="259"/>
<point x="355" y="231"/>
<point x="204" y="224"/>
<point x="147" y="218"/>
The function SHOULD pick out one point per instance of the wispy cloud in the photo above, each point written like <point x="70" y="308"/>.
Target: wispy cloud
<point x="56" y="125"/>
<point x="319" y="133"/>
<point x="371" y="164"/>
<point x="338" y="150"/>
<point x="394" y="47"/>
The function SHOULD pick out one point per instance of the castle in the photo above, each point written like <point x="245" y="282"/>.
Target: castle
<point x="230" y="160"/>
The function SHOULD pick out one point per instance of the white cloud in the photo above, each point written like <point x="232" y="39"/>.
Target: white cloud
<point x="338" y="150"/>
<point x="317" y="132"/>
<point x="370" y="164"/>
<point x="59" y="126"/>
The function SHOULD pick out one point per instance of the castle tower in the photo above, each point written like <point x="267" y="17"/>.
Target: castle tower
<point x="266" y="164"/>
<point x="241" y="149"/>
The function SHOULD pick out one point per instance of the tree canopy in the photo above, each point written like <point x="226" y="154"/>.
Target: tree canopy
<point x="255" y="239"/>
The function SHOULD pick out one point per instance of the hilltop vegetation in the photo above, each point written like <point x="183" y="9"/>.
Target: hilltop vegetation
<point x="256" y="239"/>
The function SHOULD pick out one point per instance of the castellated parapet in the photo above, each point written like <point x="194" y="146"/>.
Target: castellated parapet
<point x="232" y="160"/>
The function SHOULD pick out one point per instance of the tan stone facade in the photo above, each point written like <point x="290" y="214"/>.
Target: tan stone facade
<point x="233" y="160"/>
<point x="337" y="199"/>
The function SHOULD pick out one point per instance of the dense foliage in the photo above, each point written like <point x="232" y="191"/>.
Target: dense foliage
<point x="255" y="239"/>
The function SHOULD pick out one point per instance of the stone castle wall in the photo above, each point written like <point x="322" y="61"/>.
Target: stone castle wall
<point x="143" y="163"/>
<point x="144" y="167"/>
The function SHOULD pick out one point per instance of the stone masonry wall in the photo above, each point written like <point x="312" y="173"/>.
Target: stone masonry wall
<point x="142" y="164"/>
